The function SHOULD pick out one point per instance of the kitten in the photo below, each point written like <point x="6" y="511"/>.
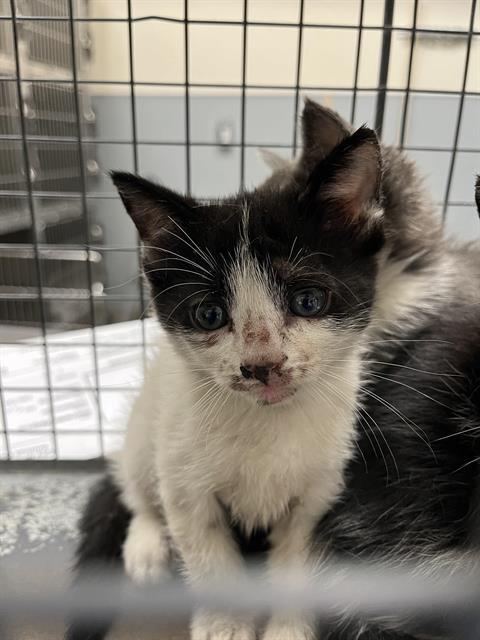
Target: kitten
<point x="266" y="298"/>
<point x="319" y="382"/>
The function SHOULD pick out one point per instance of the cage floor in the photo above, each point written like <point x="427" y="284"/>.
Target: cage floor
<point x="38" y="518"/>
<point x="68" y="390"/>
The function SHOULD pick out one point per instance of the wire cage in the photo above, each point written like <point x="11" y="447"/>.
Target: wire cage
<point x="185" y="91"/>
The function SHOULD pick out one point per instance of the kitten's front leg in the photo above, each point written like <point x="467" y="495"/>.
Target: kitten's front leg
<point x="199" y="532"/>
<point x="289" y="556"/>
<point x="146" y="551"/>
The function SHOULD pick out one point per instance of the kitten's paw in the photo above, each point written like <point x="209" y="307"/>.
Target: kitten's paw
<point x="146" y="550"/>
<point x="211" y="626"/>
<point x="296" y="629"/>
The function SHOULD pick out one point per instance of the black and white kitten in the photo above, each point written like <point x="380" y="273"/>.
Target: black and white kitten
<point x="320" y="380"/>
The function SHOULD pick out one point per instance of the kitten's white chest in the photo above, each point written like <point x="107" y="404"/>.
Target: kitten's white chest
<point x="259" y="484"/>
<point x="293" y="456"/>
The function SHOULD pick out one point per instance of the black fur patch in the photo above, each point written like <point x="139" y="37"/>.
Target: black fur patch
<point x="103" y="529"/>
<point x="413" y="492"/>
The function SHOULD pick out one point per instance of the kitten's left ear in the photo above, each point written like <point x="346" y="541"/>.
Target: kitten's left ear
<point x="345" y="187"/>
<point x="151" y="206"/>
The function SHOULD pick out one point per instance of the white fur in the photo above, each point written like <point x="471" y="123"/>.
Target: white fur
<point x="284" y="628"/>
<point x="401" y="294"/>
<point x="193" y="443"/>
<point x="146" y="550"/>
<point x="207" y="626"/>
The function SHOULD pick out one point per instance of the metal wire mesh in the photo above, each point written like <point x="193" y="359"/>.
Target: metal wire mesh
<point x="195" y="84"/>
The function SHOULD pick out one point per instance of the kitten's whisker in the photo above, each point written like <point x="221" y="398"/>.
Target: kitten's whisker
<point x="198" y="405"/>
<point x="314" y="280"/>
<point x="224" y="397"/>
<point x="177" y="256"/>
<point x="202" y="385"/>
<point x="196" y="273"/>
<point x="403" y="384"/>
<point x="122" y="284"/>
<point x="324" y="398"/>
<point x="361" y="413"/>
<point x="295" y="260"/>
<point x="291" y="248"/>
<point x="467" y="464"/>
<point x="192" y="244"/>
<point x="178" y="284"/>
<point x="203" y="402"/>
<point x="400" y="340"/>
<point x="207" y="412"/>
<point x="309" y="255"/>
<point x="458" y="433"/>
<point x="407" y="421"/>
<point x="335" y="279"/>
<point x="403" y="366"/>
<point x="337" y="392"/>
<point x="213" y="405"/>
<point x="184" y="300"/>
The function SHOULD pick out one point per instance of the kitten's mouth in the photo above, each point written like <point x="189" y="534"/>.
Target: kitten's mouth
<point x="273" y="394"/>
<point x="266" y="393"/>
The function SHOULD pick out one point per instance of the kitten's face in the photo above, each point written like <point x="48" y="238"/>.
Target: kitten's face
<point x="265" y="294"/>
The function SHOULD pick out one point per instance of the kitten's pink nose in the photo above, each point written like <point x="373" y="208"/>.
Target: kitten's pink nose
<point x="261" y="371"/>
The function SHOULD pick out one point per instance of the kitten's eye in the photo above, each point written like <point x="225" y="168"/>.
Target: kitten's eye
<point x="209" y="316"/>
<point x="309" y="302"/>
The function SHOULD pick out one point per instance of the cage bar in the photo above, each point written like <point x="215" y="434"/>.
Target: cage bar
<point x="86" y="219"/>
<point x="409" y="76"/>
<point x="33" y="220"/>
<point x="244" y="78"/>
<point x="451" y="168"/>
<point x="188" y="178"/>
<point x="298" y="76"/>
<point x="134" y="143"/>
<point x="389" y="7"/>
<point x="357" y="62"/>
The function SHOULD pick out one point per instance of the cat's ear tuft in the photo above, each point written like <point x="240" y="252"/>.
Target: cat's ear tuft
<point x="322" y="131"/>
<point x="150" y="205"/>
<point x="477" y="194"/>
<point x="347" y="183"/>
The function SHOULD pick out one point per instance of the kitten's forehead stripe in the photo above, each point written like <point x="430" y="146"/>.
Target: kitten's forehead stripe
<point x="255" y="309"/>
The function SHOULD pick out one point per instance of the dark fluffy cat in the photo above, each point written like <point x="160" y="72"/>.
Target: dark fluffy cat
<point x="320" y="383"/>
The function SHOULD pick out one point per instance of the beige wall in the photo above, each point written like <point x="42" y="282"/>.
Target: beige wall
<point x="328" y="57"/>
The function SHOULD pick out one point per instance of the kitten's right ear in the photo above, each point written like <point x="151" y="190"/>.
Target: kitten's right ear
<point x="477" y="194"/>
<point x="151" y="206"/>
<point x="345" y="187"/>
